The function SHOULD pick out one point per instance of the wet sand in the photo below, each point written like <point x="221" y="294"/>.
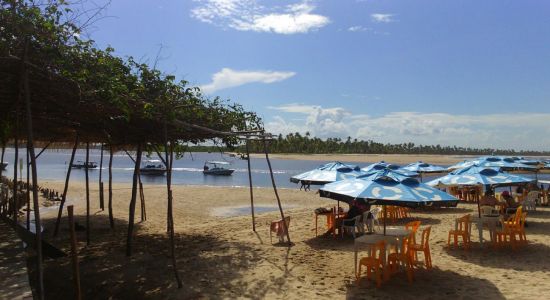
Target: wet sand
<point x="220" y="257"/>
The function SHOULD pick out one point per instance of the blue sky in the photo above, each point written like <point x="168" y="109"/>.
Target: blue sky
<point x="469" y="73"/>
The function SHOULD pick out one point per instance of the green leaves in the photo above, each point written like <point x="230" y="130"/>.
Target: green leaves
<point x="118" y="97"/>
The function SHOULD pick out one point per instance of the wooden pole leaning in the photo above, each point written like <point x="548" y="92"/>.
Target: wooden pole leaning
<point x="36" y="205"/>
<point x="66" y="187"/>
<point x="74" y="254"/>
<point x="132" y="209"/>
<point x="275" y="190"/>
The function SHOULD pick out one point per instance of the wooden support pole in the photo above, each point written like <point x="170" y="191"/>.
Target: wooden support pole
<point x="28" y="197"/>
<point x="43" y="149"/>
<point x="66" y="187"/>
<point x="36" y="205"/>
<point x="170" y="160"/>
<point x="101" y="202"/>
<point x="275" y="190"/>
<point x="133" y="203"/>
<point x="251" y="190"/>
<point x="2" y="158"/>
<point x="142" y="199"/>
<point x="3" y="207"/>
<point x="110" y="204"/>
<point x="74" y="254"/>
<point x="14" y="208"/>
<point x="86" y="172"/>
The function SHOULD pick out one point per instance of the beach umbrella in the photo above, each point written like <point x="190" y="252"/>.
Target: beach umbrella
<point x="386" y="187"/>
<point x="382" y="165"/>
<point x="422" y="167"/>
<point x="462" y="165"/>
<point x="505" y="163"/>
<point x="327" y="173"/>
<point x="479" y="175"/>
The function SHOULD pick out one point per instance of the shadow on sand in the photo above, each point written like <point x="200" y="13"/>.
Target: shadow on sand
<point x="208" y="266"/>
<point x="428" y="284"/>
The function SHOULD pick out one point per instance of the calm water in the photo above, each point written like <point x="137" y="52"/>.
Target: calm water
<point x="52" y="165"/>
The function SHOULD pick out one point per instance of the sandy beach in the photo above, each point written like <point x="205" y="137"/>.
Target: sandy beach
<point x="221" y="257"/>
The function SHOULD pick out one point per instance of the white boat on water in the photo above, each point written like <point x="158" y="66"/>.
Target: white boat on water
<point x="152" y="167"/>
<point x="216" y="168"/>
<point x="82" y="165"/>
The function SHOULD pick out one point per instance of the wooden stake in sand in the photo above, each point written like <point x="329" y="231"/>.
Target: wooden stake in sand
<point x="133" y="202"/>
<point x="28" y="197"/>
<point x="74" y="254"/>
<point x="110" y="204"/>
<point x="142" y="199"/>
<point x="66" y="187"/>
<point x="169" y="160"/>
<point x="15" y="208"/>
<point x="86" y="171"/>
<point x="275" y="190"/>
<point x="30" y="145"/>
<point x="251" y="190"/>
<point x="101" y="203"/>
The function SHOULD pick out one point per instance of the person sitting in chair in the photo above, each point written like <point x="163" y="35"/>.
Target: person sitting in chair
<point x="511" y="204"/>
<point x="488" y="199"/>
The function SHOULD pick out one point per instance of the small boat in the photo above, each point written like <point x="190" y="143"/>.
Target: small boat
<point x="152" y="167"/>
<point x="3" y="166"/>
<point x="216" y="168"/>
<point x="82" y="165"/>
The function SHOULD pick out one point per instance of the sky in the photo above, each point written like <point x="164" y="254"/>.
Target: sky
<point x="467" y="73"/>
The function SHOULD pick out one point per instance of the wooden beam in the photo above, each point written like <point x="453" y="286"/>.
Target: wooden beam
<point x="132" y="208"/>
<point x="66" y="187"/>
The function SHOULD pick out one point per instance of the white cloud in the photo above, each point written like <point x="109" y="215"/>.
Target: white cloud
<point x="382" y="18"/>
<point x="527" y="131"/>
<point x="358" y="28"/>
<point x="248" y="15"/>
<point x="227" y="78"/>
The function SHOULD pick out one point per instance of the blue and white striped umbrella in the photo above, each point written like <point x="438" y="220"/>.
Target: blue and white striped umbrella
<point x="330" y="172"/>
<point x="387" y="187"/>
<point x="382" y="165"/>
<point x="476" y="175"/>
<point x="462" y="165"/>
<point x="421" y="167"/>
<point x="503" y="162"/>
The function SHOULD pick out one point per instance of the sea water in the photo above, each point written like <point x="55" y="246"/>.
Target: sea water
<point x="53" y="164"/>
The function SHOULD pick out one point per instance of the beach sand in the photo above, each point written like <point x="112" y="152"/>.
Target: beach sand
<point x="221" y="257"/>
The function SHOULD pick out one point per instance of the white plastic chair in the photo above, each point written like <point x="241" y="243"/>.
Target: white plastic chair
<point x="530" y="202"/>
<point x="487" y="210"/>
<point x="356" y="225"/>
<point x="375" y="211"/>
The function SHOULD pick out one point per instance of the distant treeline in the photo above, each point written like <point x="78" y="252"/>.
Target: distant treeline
<point x="298" y="143"/>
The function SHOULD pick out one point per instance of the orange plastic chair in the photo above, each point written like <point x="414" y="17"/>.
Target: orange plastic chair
<point x="463" y="226"/>
<point x="280" y="229"/>
<point x="424" y="246"/>
<point x="374" y="262"/>
<point x="404" y="258"/>
<point x="507" y="234"/>
<point x="413" y="226"/>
